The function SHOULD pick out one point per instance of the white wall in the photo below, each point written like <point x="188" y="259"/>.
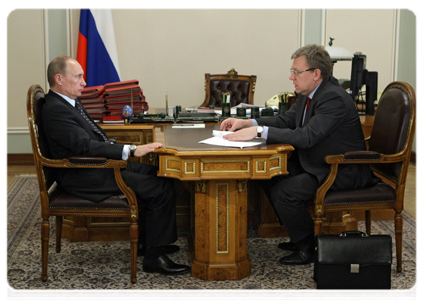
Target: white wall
<point x="173" y="49"/>
<point x="371" y="32"/>
<point x="25" y="66"/>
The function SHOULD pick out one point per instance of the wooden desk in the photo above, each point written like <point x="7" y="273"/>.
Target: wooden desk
<point x="218" y="245"/>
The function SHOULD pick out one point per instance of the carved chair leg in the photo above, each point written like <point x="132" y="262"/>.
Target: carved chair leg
<point x="134" y="248"/>
<point x="368" y="216"/>
<point x="318" y="225"/>
<point x="398" y="240"/>
<point x="45" y="233"/>
<point x="59" y="221"/>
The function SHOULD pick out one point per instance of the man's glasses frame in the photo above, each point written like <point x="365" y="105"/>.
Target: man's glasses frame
<point x="295" y="73"/>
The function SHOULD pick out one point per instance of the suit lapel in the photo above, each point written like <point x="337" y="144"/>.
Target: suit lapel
<point x="301" y="102"/>
<point x="312" y="103"/>
<point x="84" y="124"/>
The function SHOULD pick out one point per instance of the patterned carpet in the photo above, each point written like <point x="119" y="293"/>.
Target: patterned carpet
<point x="106" y="265"/>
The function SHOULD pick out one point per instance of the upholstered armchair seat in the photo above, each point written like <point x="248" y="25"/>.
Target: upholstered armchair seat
<point x="381" y="192"/>
<point x="61" y="199"/>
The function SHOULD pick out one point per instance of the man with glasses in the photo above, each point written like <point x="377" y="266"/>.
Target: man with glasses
<point x="323" y="121"/>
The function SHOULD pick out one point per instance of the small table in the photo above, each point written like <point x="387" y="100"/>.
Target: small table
<point x="218" y="241"/>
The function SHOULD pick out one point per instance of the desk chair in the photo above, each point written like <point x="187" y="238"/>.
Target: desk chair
<point x="241" y="87"/>
<point x="55" y="201"/>
<point x="390" y="146"/>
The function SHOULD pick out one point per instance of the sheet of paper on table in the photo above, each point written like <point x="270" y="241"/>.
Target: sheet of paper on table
<point x="218" y="140"/>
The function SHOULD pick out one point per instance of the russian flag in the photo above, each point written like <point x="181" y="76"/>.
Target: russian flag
<point x="97" y="52"/>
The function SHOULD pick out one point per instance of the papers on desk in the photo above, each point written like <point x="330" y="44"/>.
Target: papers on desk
<point x="202" y="125"/>
<point x="218" y="140"/>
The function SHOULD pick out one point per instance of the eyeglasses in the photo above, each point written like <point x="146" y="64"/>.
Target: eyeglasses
<point x="295" y="73"/>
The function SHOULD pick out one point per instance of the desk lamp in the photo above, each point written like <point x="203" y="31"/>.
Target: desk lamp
<point x="338" y="53"/>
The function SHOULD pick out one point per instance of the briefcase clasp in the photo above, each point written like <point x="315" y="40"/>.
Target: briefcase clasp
<point x="355" y="268"/>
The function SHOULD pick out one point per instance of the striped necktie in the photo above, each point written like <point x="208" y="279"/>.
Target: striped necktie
<point x="78" y="106"/>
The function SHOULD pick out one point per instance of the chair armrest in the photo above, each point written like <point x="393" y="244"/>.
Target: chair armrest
<point x="82" y="162"/>
<point x="87" y="160"/>
<point x="350" y="157"/>
<point x="355" y="157"/>
<point x="97" y="162"/>
<point x="362" y="155"/>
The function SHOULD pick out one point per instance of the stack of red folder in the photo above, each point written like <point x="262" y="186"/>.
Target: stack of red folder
<point x="93" y="100"/>
<point x="119" y="94"/>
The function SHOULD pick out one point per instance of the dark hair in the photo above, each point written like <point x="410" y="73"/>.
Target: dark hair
<point x="59" y="65"/>
<point x="316" y="57"/>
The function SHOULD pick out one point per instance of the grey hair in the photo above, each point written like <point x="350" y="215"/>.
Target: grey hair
<point x="316" y="57"/>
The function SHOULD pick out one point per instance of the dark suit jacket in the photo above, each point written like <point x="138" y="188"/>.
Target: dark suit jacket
<point x="69" y="134"/>
<point x="331" y="126"/>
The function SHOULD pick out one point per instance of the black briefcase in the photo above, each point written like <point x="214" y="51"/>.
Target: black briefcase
<point x="353" y="260"/>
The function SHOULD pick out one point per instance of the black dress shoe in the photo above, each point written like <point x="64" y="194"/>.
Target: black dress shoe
<point x="303" y="255"/>
<point x="165" y="266"/>
<point x="287" y="246"/>
<point x="168" y="249"/>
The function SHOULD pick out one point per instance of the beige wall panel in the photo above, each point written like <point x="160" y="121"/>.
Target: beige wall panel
<point x="173" y="49"/>
<point x="25" y="62"/>
<point x="368" y="31"/>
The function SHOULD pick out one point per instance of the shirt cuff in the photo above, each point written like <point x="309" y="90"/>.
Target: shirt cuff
<point x="125" y="152"/>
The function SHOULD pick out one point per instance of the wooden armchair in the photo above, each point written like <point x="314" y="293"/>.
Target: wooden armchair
<point x="241" y="87"/>
<point x="55" y="201"/>
<point x="390" y="146"/>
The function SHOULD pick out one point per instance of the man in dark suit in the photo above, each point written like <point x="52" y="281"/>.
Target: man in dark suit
<point x="323" y="121"/>
<point x="70" y="131"/>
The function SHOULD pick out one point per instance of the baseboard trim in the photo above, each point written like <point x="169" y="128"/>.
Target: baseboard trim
<point x="20" y="159"/>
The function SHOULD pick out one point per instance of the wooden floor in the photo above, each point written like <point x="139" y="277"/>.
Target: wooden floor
<point x="409" y="199"/>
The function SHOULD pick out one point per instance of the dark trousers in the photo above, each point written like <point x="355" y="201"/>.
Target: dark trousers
<point x="289" y="195"/>
<point x="157" y="204"/>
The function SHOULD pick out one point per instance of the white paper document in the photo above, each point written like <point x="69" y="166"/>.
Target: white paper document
<point x="202" y="125"/>
<point x="218" y="140"/>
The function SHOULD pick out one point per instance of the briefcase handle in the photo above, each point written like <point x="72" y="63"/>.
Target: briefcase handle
<point x="353" y="232"/>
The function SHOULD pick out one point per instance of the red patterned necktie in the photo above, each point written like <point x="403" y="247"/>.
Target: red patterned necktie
<point x="308" y="102"/>
<point x="305" y="110"/>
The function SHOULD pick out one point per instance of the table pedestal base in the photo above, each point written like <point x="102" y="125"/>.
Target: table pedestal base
<point x="218" y="246"/>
